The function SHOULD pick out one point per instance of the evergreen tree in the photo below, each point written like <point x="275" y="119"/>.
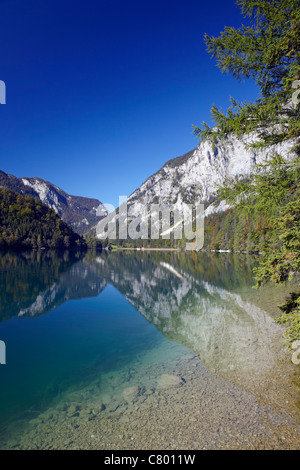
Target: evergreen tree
<point x="266" y="51"/>
<point x="27" y="223"/>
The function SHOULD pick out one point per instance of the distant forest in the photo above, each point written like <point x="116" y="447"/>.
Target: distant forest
<point x="25" y="222"/>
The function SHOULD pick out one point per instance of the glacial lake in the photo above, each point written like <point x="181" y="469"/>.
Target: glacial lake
<point x="143" y="350"/>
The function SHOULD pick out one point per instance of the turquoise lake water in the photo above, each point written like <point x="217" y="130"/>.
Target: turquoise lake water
<point x="98" y="324"/>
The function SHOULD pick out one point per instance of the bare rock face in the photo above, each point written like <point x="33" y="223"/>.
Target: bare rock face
<point x="194" y="177"/>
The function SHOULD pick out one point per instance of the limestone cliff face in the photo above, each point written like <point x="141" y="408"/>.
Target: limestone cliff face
<point x="194" y="177"/>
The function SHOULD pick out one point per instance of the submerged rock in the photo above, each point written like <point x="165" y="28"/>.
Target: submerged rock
<point x="130" y="394"/>
<point x="169" y="380"/>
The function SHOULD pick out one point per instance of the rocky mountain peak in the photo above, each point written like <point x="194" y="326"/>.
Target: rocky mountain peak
<point x="79" y="212"/>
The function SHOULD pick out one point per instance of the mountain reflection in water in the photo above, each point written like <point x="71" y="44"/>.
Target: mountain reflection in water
<point x="205" y="302"/>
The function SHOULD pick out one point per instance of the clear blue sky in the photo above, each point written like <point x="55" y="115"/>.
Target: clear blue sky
<point x="101" y="93"/>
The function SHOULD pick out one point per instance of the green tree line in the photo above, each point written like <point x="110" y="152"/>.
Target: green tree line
<point x="25" y="222"/>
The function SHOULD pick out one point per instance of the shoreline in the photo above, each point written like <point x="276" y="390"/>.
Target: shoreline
<point x="182" y="250"/>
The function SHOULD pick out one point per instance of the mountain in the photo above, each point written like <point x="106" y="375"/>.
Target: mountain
<point x="79" y="212"/>
<point x="194" y="177"/>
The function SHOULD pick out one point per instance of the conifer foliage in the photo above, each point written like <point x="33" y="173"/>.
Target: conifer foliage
<point x="25" y="222"/>
<point x="267" y="51"/>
